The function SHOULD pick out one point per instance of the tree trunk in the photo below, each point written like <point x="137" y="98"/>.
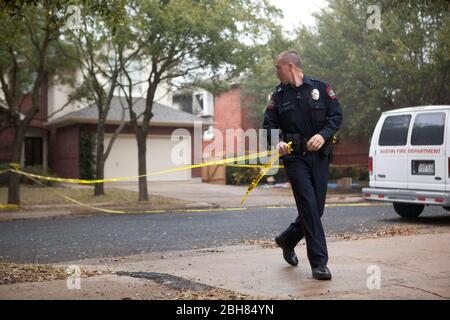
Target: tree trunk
<point x="142" y="163"/>
<point x="14" y="178"/>
<point x="99" y="189"/>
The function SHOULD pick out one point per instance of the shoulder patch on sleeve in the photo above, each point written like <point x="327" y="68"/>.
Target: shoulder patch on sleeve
<point x="330" y="92"/>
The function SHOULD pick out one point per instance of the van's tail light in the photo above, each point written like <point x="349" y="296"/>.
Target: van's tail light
<point x="371" y="165"/>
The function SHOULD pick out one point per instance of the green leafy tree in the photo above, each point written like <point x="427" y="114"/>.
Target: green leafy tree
<point x="185" y="40"/>
<point x="403" y="63"/>
<point x="28" y="55"/>
<point x="100" y="45"/>
<point x="260" y="81"/>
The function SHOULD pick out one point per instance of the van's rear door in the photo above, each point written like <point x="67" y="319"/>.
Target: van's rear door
<point x="390" y="156"/>
<point x="427" y="165"/>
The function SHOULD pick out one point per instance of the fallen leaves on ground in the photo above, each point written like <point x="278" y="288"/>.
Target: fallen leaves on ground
<point x="212" y="294"/>
<point x="392" y="231"/>
<point x="17" y="273"/>
<point x="262" y="242"/>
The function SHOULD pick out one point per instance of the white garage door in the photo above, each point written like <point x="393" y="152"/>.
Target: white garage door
<point x="162" y="154"/>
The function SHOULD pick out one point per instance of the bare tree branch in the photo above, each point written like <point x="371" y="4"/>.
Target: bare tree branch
<point x="116" y="132"/>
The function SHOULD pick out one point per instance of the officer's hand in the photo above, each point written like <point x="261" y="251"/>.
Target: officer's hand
<point x="315" y="143"/>
<point x="283" y="148"/>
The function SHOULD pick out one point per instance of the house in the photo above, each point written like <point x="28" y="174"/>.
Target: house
<point x="54" y="138"/>
<point x="123" y="159"/>
<point x="53" y="143"/>
<point x="225" y="111"/>
<point x="229" y="110"/>
<point x="35" y="149"/>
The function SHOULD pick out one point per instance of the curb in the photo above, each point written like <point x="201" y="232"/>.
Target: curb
<point x="62" y="211"/>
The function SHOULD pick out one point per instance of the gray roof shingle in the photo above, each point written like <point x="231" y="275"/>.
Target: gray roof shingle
<point x="161" y="114"/>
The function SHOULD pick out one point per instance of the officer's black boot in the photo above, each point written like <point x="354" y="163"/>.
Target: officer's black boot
<point x="321" y="273"/>
<point x="288" y="253"/>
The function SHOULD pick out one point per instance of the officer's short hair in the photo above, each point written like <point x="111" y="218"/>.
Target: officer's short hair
<point x="291" y="56"/>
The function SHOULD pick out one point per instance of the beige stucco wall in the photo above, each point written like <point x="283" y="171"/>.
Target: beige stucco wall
<point x="58" y="93"/>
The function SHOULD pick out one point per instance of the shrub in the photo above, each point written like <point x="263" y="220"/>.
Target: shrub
<point x="87" y="159"/>
<point x="4" y="176"/>
<point x="37" y="169"/>
<point x="243" y="176"/>
<point x="240" y="175"/>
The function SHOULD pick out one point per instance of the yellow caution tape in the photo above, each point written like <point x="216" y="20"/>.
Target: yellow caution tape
<point x="15" y="167"/>
<point x="14" y="206"/>
<point x="263" y="172"/>
<point x="9" y="206"/>
<point x="35" y="178"/>
<point x="205" y="164"/>
<point x="251" y="165"/>
<point x="76" y="201"/>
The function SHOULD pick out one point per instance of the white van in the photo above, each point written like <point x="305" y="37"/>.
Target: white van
<point x="409" y="159"/>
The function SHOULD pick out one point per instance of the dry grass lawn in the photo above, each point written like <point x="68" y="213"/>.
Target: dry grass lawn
<point x="39" y="195"/>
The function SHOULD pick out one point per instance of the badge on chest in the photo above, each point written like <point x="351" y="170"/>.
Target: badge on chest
<point x="315" y="94"/>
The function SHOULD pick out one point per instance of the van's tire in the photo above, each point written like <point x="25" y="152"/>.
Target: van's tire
<point x="408" y="210"/>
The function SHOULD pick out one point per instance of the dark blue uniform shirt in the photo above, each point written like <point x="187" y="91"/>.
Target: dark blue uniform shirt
<point x="308" y="109"/>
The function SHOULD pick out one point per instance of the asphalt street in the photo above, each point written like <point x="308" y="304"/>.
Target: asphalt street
<point x="70" y="239"/>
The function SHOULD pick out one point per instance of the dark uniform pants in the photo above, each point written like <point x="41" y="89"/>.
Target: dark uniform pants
<point x="308" y="176"/>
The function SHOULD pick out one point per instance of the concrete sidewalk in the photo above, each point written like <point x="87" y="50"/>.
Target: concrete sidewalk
<point x="410" y="267"/>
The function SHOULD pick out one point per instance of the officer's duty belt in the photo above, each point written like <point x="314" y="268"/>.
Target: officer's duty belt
<point x="298" y="142"/>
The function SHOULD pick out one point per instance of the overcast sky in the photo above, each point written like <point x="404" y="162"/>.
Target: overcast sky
<point x="298" y="11"/>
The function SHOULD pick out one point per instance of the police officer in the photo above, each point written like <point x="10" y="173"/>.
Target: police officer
<point x="305" y="111"/>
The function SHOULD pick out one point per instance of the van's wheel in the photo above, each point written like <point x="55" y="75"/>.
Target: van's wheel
<point x="408" y="210"/>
